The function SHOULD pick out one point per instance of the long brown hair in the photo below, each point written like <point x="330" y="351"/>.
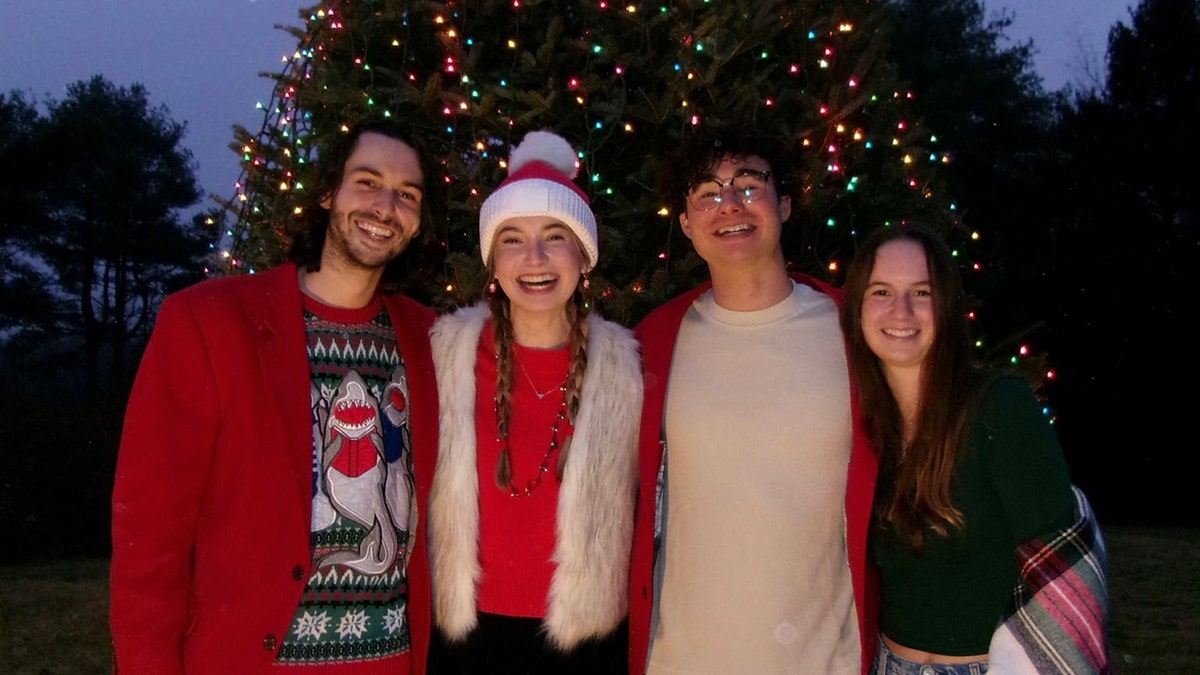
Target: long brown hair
<point x="578" y="308"/>
<point x="914" y="492"/>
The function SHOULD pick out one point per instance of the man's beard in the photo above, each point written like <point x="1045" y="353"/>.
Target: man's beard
<point x="352" y="252"/>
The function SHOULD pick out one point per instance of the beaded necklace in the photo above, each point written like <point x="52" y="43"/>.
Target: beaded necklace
<point x="504" y="478"/>
<point x="504" y="465"/>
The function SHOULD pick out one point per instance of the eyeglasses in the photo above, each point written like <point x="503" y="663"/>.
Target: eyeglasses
<point x="748" y="185"/>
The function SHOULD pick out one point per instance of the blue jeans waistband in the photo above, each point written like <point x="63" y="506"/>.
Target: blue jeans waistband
<point x="888" y="663"/>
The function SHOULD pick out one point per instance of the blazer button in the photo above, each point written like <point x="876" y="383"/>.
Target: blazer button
<point x="298" y="573"/>
<point x="270" y="643"/>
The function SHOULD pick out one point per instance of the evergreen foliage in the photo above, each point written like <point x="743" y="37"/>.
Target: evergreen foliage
<point x="1125" y="248"/>
<point x="103" y="172"/>
<point x="624" y="83"/>
<point x="983" y="96"/>
<point x="22" y="302"/>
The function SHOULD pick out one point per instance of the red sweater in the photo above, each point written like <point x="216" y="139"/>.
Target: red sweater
<point x="517" y="534"/>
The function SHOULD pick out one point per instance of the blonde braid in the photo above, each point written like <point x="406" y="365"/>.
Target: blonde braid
<point x="502" y="333"/>
<point x="577" y="312"/>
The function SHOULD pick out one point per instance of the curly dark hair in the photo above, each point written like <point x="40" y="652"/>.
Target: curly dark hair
<point x="307" y="231"/>
<point x="694" y="159"/>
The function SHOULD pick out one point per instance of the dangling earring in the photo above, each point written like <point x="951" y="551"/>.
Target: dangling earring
<point x="587" y="283"/>
<point x="491" y="287"/>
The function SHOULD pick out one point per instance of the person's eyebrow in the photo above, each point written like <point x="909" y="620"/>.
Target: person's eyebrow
<point x="368" y="169"/>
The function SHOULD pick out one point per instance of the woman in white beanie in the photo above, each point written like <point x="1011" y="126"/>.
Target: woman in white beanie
<point x="531" y="513"/>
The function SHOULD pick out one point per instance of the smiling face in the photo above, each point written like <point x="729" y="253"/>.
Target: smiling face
<point x="538" y="262"/>
<point x="897" y="311"/>
<point x="376" y="210"/>
<point x="737" y="233"/>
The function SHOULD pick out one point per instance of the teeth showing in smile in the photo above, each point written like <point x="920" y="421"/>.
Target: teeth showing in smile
<point x="375" y="230"/>
<point x="538" y="280"/>
<point x="896" y="332"/>
<point x="733" y="229"/>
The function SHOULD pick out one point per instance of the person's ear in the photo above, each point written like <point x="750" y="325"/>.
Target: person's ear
<point x="785" y="208"/>
<point x="327" y="199"/>
<point x="683" y="225"/>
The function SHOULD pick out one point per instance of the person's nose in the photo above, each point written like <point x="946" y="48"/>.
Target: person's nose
<point x="904" y="305"/>
<point x="537" y="251"/>
<point x="731" y="199"/>
<point x="385" y="204"/>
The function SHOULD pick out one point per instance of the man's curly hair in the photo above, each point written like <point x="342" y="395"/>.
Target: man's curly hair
<point x="695" y="158"/>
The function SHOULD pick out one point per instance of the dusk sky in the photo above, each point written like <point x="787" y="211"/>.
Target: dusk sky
<point x="202" y="58"/>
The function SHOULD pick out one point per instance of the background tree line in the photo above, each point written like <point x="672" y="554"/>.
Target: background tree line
<point x="1089" y="198"/>
<point x="90" y="243"/>
<point x="1086" y="199"/>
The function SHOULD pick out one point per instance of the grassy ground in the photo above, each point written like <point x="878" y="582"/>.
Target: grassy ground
<point x="1155" y="587"/>
<point x="53" y="615"/>
<point x="53" y="619"/>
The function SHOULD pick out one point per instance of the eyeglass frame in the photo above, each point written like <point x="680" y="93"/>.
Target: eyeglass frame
<point x="764" y="176"/>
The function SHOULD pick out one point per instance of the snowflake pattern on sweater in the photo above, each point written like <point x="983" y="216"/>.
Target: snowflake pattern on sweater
<point x="363" y="515"/>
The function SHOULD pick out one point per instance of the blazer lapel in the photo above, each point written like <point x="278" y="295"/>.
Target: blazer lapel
<point x="283" y="361"/>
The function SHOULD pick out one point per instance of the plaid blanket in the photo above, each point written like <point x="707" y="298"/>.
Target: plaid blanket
<point x="1057" y="617"/>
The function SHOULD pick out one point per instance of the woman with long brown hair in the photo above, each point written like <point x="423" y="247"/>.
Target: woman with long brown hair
<point x="971" y="474"/>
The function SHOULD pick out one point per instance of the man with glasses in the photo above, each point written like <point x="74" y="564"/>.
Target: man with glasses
<point x="756" y="479"/>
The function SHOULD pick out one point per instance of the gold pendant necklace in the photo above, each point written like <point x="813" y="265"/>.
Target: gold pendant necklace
<point x="562" y="386"/>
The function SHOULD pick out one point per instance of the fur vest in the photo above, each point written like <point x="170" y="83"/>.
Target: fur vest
<point x="588" y="594"/>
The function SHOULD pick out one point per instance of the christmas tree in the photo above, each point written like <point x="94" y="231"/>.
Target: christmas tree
<point x="624" y="83"/>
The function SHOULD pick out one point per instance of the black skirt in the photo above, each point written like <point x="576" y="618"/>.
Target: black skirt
<point x="508" y="645"/>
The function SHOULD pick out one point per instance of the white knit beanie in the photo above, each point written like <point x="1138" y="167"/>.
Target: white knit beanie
<point x="541" y="172"/>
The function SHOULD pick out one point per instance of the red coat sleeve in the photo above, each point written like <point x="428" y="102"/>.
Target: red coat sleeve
<point x="166" y="449"/>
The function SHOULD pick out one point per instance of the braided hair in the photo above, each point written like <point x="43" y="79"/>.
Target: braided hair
<point x="578" y="307"/>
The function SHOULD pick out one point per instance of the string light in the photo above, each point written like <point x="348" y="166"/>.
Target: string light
<point x="846" y="123"/>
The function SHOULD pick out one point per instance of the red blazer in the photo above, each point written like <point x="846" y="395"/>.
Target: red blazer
<point x="657" y="334"/>
<point x="213" y="491"/>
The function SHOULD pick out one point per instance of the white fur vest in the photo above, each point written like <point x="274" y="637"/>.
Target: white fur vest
<point x="594" y="523"/>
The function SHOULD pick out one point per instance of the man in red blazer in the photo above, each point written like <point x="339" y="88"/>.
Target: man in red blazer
<point x="279" y="438"/>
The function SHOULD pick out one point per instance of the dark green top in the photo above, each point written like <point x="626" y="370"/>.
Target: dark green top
<point x="1011" y="485"/>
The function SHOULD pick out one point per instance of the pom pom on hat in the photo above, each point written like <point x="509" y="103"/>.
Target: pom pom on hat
<point x="544" y="146"/>
<point x="541" y="170"/>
